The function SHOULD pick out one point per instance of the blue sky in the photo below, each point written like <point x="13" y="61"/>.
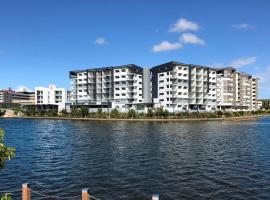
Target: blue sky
<point x="41" y="41"/>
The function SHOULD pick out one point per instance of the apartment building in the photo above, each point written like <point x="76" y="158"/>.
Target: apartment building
<point x="181" y="87"/>
<point x="118" y="87"/>
<point x="175" y="86"/>
<point x="11" y="98"/>
<point x="236" y="90"/>
<point x="51" y="96"/>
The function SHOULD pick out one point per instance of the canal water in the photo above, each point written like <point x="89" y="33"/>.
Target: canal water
<point x="133" y="160"/>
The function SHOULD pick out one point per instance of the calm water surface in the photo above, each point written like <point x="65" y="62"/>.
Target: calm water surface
<point x="133" y="160"/>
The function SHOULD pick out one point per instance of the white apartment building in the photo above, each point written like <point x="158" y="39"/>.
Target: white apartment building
<point x="174" y="86"/>
<point x="180" y="87"/>
<point x="51" y="96"/>
<point x="118" y="87"/>
<point x="236" y="90"/>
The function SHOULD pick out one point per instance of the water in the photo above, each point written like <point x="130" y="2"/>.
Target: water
<point x="133" y="160"/>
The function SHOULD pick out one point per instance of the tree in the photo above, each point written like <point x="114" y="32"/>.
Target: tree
<point x="6" y="153"/>
<point x="131" y="113"/>
<point x="115" y="113"/>
<point x="84" y="111"/>
<point x="150" y="113"/>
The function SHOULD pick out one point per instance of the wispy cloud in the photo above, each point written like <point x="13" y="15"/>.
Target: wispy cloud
<point x="101" y="41"/>
<point x="244" y="61"/>
<point x="243" y="26"/>
<point x="190" y="38"/>
<point x="166" y="46"/>
<point x="184" y="25"/>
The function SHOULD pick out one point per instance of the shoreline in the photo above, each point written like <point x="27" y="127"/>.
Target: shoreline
<point x="242" y="118"/>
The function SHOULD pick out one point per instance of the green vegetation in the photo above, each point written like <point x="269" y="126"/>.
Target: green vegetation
<point x="6" y="153"/>
<point x="265" y="103"/>
<point x="158" y="113"/>
<point x="2" y="112"/>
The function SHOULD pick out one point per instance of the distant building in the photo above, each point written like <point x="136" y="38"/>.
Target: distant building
<point x="260" y="104"/>
<point x="11" y="98"/>
<point x="51" y="96"/>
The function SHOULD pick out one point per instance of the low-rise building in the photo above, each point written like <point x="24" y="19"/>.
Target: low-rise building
<point x="11" y="98"/>
<point x="51" y="96"/>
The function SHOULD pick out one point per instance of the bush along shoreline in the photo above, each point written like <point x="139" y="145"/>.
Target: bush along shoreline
<point x="158" y="113"/>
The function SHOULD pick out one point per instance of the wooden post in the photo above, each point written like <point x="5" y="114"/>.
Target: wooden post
<point x="85" y="194"/>
<point x="26" y="195"/>
<point x="155" y="197"/>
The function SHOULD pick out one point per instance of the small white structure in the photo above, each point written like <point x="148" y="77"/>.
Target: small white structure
<point x="51" y="96"/>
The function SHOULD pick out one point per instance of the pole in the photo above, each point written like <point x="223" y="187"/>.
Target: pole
<point x="85" y="194"/>
<point x="155" y="197"/>
<point x="26" y="192"/>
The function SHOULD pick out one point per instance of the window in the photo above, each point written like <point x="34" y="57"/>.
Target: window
<point x="117" y="76"/>
<point x="117" y="95"/>
<point x="123" y="88"/>
<point x="168" y="73"/>
<point x="162" y="81"/>
<point x="161" y="88"/>
<point x="160" y="75"/>
<point x="123" y="76"/>
<point x="123" y="70"/>
<point x="161" y="94"/>
<point x="179" y="87"/>
<point x="117" y="88"/>
<point x="123" y="94"/>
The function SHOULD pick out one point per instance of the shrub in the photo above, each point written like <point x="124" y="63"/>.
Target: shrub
<point x="228" y="114"/>
<point x="219" y="113"/>
<point x="84" y="111"/>
<point x="52" y="113"/>
<point x="150" y="113"/>
<point x="115" y="113"/>
<point x="131" y="113"/>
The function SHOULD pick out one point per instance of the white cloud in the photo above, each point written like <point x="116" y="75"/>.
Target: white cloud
<point x="23" y="88"/>
<point x="190" y="38"/>
<point x="101" y="41"/>
<point x="244" y="61"/>
<point x="184" y="25"/>
<point x="166" y="46"/>
<point x="243" y="26"/>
